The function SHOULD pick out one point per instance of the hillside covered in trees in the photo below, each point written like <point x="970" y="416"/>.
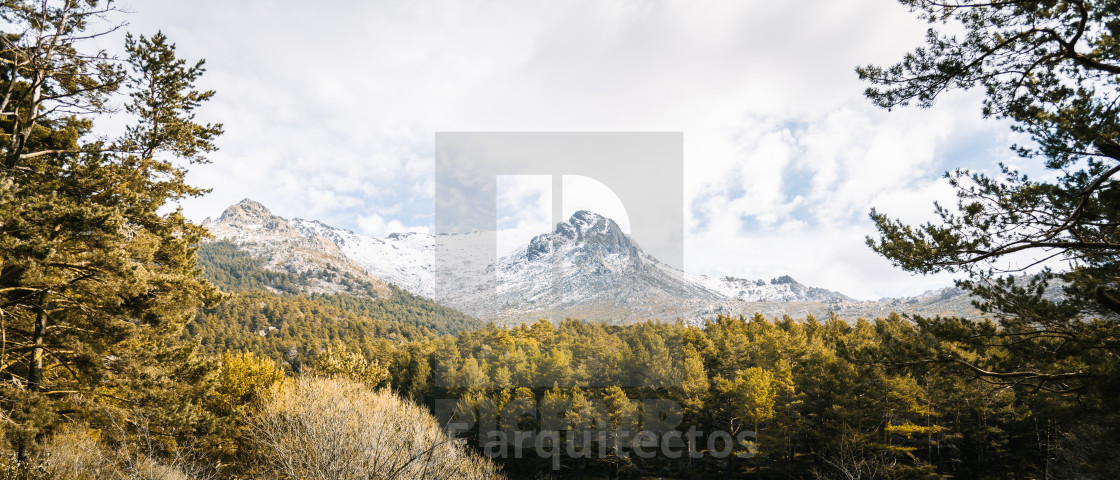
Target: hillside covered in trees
<point x="247" y="281"/>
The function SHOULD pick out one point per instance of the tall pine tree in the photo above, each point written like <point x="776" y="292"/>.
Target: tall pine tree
<point x="96" y="276"/>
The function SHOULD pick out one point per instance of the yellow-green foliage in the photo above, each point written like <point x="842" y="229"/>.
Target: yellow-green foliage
<point x="340" y="361"/>
<point x="909" y="430"/>
<point x="751" y="393"/>
<point x="293" y="328"/>
<point x="240" y="377"/>
<point x="860" y="394"/>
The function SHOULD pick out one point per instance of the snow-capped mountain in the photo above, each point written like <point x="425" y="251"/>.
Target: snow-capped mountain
<point x="783" y="288"/>
<point x="586" y="268"/>
<point x="288" y="249"/>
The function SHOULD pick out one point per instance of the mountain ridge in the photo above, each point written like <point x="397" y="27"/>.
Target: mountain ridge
<point x="586" y="267"/>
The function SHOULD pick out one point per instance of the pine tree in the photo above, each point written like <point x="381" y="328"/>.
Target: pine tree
<point x="94" y="277"/>
<point x="694" y="381"/>
<point x="1052" y="69"/>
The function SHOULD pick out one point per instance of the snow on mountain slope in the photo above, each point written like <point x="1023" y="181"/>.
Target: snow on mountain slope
<point x="285" y="248"/>
<point x="586" y="268"/>
<point x="782" y="288"/>
<point x="404" y="259"/>
<point x="589" y="259"/>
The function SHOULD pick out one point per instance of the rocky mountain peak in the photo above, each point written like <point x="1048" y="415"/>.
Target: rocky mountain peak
<point x="586" y="232"/>
<point x="249" y="213"/>
<point x="247" y="209"/>
<point x="286" y="247"/>
<point x="784" y="280"/>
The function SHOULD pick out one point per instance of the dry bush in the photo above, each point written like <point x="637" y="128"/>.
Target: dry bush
<point x="75" y="453"/>
<point x="335" y="429"/>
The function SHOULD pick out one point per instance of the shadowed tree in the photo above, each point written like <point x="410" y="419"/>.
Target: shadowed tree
<point x="1053" y="69"/>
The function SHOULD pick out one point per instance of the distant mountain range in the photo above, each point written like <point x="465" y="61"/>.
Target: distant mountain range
<point x="586" y="268"/>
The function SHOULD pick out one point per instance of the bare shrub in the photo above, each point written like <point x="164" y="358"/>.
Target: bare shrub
<point x="76" y="453"/>
<point x="854" y="459"/>
<point x="335" y="428"/>
<point x="73" y="453"/>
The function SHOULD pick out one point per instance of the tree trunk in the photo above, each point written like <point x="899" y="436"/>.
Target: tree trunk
<point x="24" y="129"/>
<point x="757" y="463"/>
<point x="38" y="341"/>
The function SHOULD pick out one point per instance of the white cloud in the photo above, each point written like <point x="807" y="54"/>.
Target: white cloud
<point x="585" y="193"/>
<point x="524" y="209"/>
<point x="330" y="112"/>
<point x="796" y="199"/>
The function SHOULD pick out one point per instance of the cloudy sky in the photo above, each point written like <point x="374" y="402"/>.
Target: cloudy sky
<point x="330" y="111"/>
